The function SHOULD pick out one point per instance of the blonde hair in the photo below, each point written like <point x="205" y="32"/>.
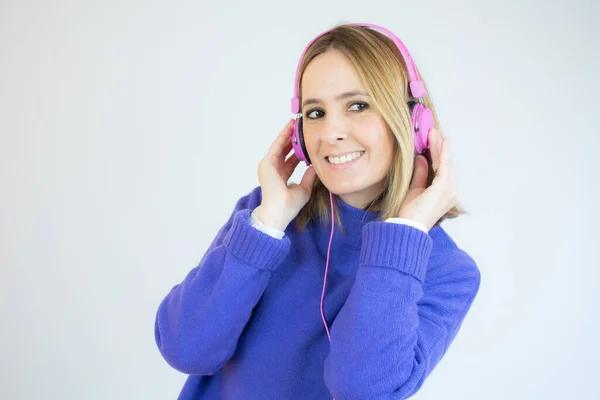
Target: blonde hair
<point x="382" y="70"/>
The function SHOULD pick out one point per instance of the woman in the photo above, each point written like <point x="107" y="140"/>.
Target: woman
<point x="282" y="305"/>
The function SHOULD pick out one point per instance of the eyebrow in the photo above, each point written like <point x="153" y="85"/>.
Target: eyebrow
<point x="337" y="98"/>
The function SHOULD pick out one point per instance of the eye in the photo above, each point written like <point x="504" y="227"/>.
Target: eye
<point x="358" y="107"/>
<point x="362" y="106"/>
<point x="308" y="113"/>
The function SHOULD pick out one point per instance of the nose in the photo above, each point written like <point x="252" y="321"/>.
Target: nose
<point x="335" y="129"/>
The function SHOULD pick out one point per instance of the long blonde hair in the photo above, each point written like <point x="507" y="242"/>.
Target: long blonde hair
<point x="382" y="70"/>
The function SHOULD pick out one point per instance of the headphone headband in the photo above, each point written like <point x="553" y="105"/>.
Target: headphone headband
<point x="417" y="88"/>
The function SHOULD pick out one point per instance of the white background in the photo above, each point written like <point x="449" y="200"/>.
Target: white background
<point x="128" y="130"/>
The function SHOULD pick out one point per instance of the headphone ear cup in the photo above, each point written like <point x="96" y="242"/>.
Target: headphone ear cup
<point x="302" y="144"/>
<point x="298" y="142"/>
<point x="422" y="122"/>
<point x="411" y="106"/>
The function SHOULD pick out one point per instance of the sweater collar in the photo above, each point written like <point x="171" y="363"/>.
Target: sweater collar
<point x="346" y="245"/>
<point x="353" y="218"/>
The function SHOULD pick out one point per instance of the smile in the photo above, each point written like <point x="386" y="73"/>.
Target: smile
<point x="346" y="158"/>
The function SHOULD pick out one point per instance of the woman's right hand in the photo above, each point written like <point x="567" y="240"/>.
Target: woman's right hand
<point x="281" y="202"/>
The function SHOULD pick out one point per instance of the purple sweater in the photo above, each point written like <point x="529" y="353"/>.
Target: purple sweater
<point x="246" y="322"/>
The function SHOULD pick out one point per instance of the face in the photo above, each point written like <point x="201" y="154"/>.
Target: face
<point x="347" y="139"/>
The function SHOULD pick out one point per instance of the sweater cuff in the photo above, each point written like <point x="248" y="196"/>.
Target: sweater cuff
<point x="407" y="221"/>
<point x="254" y="247"/>
<point x="397" y="246"/>
<point x="257" y="223"/>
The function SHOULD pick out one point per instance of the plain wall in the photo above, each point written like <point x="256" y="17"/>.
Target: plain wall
<point x="128" y="130"/>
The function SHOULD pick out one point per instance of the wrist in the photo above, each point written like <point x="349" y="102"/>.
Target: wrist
<point x="418" y="221"/>
<point x="271" y="219"/>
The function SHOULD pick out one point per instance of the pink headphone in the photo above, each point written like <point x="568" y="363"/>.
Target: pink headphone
<point x="422" y="118"/>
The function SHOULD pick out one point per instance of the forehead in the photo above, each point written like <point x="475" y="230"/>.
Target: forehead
<point x="329" y="74"/>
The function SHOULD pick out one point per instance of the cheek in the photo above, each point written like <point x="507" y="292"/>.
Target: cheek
<point x="377" y="138"/>
<point x="310" y="140"/>
<point x="382" y="147"/>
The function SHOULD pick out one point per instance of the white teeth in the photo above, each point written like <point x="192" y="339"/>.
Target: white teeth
<point x="345" y="158"/>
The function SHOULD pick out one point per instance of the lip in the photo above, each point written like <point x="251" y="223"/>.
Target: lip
<point x="343" y="166"/>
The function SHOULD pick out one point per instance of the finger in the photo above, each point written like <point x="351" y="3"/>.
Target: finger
<point x="434" y="148"/>
<point x="440" y="159"/>
<point x="277" y="147"/>
<point x="287" y="148"/>
<point x="288" y="167"/>
<point x="449" y="180"/>
<point x="279" y="156"/>
<point x="308" y="179"/>
<point x="445" y="178"/>
<point x="445" y="153"/>
<point x="419" y="178"/>
<point x="446" y="169"/>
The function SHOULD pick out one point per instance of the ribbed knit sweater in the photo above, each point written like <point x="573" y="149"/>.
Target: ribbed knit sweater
<point x="246" y="323"/>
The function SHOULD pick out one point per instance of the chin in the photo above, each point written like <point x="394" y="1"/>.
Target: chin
<point x="346" y="188"/>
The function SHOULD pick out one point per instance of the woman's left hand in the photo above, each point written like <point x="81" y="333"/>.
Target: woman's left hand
<point x="428" y="205"/>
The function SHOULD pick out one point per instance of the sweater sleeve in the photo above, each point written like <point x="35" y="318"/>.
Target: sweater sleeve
<point x="403" y="311"/>
<point x="199" y="322"/>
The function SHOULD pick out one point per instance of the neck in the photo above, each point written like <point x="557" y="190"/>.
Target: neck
<point x="353" y="218"/>
<point x="368" y="203"/>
